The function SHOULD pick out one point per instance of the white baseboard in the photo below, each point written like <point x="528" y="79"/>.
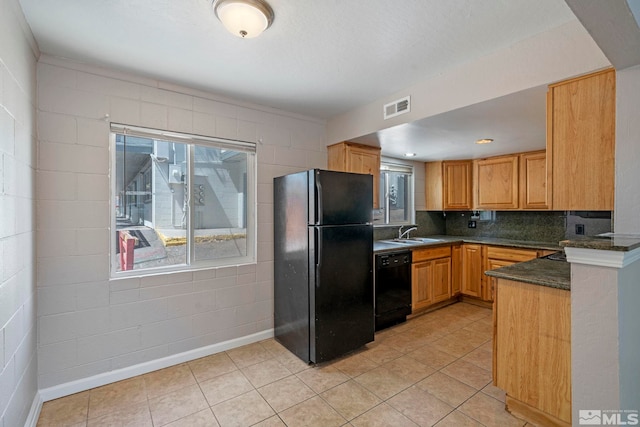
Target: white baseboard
<point x="83" y="384"/>
<point x="34" y="412"/>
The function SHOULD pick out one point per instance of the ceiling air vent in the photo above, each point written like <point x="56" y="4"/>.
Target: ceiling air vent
<point x="398" y="107"/>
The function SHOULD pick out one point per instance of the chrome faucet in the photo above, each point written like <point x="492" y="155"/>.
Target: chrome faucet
<point x="401" y="234"/>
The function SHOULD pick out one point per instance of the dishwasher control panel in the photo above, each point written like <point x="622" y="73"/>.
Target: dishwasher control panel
<point x="393" y="259"/>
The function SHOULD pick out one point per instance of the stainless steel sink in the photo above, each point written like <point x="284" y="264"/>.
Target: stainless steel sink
<point x="402" y="242"/>
<point x="425" y="239"/>
<point x="411" y="241"/>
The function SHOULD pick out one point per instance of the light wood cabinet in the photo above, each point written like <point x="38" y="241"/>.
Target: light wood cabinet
<point x="581" y="142"/>
<point x="499" y="256"/>
<point x="430" y="277"/>
<point x="532" y="351"/>
<point x="533" y="181"/>
<point x="449" y="185"/>
<point x="456" y="269"/>
<point x="457" y="192"/>
<point x="496" y="182"/>
<point x="357" y="158"/>
<point x="472" y="270"/>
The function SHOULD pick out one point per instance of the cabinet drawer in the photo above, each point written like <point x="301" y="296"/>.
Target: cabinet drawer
<point x="432" y="253"/>
<point x="511" y="254"/>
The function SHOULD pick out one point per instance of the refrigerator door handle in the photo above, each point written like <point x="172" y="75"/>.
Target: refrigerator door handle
<point x="318" y="240"/>
<point x="318" y="206"/>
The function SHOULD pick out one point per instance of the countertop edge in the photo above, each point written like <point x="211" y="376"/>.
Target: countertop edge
<point x="605" y="242"/>
<point x="558" y="273"/>
<point x="452" y="240"/>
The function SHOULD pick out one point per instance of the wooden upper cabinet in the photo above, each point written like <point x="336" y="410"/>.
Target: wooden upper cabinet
<point x="357" y="158"/>
<point x="581" y="142"/>
<point x="533" y="181"/>
<point x="456" y="190"/>
<point x="433" y="186"/>
<point x="448" y="185"/>
<point x="496" y="182"/>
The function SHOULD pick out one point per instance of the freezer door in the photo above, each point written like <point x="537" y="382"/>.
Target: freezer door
<point x="341" y="294"/>
<point x="339" y="198"/>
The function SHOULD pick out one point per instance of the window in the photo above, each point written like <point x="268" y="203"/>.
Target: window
<point x="396" y="195"/>
<point x="180" y="201"/>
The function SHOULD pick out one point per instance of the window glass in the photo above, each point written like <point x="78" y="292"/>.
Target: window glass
<point x="180" y="205"/>
<point x="396" y="195"/>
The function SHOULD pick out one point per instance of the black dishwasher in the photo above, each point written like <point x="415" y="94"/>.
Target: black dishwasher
<point x="392" y="288"/>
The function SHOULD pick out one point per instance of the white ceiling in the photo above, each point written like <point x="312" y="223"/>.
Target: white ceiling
<point x="515" y="122"/>
<point x="319" y="58"/>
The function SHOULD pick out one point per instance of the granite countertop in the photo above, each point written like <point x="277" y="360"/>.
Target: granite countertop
<point x="540" y="271"/>
<point x="605" y="242"/>
<point x="440" y="240"/>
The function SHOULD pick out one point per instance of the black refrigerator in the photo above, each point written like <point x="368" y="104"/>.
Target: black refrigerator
<point x="323" y="263"/>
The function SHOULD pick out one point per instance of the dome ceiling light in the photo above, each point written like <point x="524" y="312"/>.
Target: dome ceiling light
<point x="244" y="18"/>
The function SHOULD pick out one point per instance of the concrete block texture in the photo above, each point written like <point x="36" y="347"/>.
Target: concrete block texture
<point x="90" y="323"/>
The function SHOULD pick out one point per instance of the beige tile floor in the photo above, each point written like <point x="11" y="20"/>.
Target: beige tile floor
<point x="434" y="369"/>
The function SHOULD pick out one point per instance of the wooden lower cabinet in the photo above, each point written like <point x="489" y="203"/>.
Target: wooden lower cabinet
<point x="532" y="351"/>
<point x="499" y="256"/>
<point x="430" y="277"/>
<point x="456" y="270"/>
<point x="444" y="272"/>
<point x="472" y="270"/>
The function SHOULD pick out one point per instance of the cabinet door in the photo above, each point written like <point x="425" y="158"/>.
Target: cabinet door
<point x="496" y="181"/>
<point x="350" y="157"/>
<point x="489" y="290"/>
<point x="472" y="270"/>
<point x="420" y="293"/>
<point x="441" y="280"/>
<point x="456" y="269"/>
<point x="581" y="150"/>
<point x="533" y="334"/>
<point x="367" y="162"/>
<point x="457" y="185"/>
<point x="433" y="186"/>
<point x="533" y="181"/>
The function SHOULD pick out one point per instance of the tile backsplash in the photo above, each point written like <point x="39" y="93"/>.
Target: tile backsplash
<point x="533" y="226"/>
<point x="549" y="226"/>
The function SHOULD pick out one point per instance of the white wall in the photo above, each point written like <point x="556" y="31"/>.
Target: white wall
<point x="18" y="368"/>
<point x="627" y="198"/>
<point x="629" y="335"/>
<point x="548" y="57"/>
<point x="90" y="325"/>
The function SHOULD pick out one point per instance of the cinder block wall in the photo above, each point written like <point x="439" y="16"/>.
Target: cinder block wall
<point x="18" y="362"/>
<point x="91" y="325"/>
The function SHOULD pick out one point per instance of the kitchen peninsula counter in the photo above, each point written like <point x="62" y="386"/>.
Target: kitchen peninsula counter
<point x="540" y="271"/>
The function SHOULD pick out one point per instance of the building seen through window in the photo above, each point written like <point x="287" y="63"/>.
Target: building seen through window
<point x="180" y="200"/>
<point x="396" y="195"/>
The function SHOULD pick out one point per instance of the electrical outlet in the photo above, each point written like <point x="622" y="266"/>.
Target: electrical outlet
<point x="472" y="224"/>
<point x="579" y="228"/>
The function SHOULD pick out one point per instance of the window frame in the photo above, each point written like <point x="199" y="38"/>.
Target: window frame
<point x="190" y="141"/>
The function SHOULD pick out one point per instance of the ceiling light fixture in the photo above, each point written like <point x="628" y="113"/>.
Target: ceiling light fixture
<point x="244" y="18"/>
<point x="409" y="154"/>
<point x="484" y="141"/>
